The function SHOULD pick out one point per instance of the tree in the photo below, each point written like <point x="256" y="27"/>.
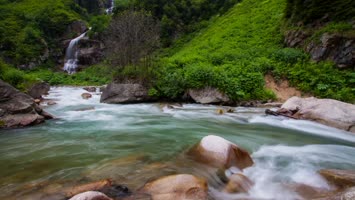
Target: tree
<point x="131" y="37"/>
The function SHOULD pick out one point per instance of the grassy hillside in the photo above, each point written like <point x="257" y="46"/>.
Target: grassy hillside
<point x="237" y="49"/>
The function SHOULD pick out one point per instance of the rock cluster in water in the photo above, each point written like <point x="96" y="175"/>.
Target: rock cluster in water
<point x="325" y="111"/>
<point x="18" y="109"/>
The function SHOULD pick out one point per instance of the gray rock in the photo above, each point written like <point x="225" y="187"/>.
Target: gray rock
<point x="125" y="93"/>
<point x="75" y="29"/>
<point x="90" y="52"/>
<point x="39" y="89"/>
<point x="326" y="111"/>
<point x="335" y="47"/>
<point x="208" y="95"/>
<point x="19" y="109"/>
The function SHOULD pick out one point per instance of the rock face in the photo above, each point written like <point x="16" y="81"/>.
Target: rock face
<point x="92" y="6"/>
<point x="326" y="111"/>
<point x="335" y="47"/>
<point x="39" y="89"/>
<point x="125" y="93"/>
<point x="208" y="95"/>
<point x="75" y="29"/>
<point x="18" y="109"/>
<point x="220" y="153"/>
<point x="340" y="178"/>
<point x="90" y="52"/>
<point x="177" y="187"/>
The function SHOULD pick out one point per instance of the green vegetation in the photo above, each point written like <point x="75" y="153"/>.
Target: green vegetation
<point x="309" y="12"/>
<point x="223" y="44"/>
<point x="235" y="51"/>
<point x="29" y="27"/>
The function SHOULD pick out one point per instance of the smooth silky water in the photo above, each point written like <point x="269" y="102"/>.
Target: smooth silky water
<point x="135" y="143"/>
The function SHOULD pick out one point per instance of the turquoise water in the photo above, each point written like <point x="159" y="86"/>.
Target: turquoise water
<point x="134" y="143"/>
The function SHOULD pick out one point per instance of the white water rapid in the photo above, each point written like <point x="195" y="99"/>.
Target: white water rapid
<point x="134" y="143"/>
<point x="71" y="55"/>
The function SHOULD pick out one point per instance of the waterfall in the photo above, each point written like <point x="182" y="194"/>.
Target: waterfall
<point x="112" y="6"/>
<point x="71" y="55"/>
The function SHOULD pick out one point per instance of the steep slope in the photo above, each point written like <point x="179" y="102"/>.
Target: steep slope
<point x="237" y="49"/>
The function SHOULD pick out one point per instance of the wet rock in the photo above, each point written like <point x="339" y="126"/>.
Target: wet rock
<point x="177" y="187"/>
<point x="220" y="111"/>
<point x="90" y="195"/>
<point x="309" y="192"/>
<point x="125" y="93"/>
<point x="273" y="104"/>
<point x="220" y="153"/>
<point x="19" y="109"/>
<point x="238" y="183"/>
<point x="94" y="186"/>
<point x="90" y="89"/>
<point x="346" y="194"/>
<point x="325" y="111"/>
<point x="208" y="95"/>
<point x="230" y="110"/>
<point x="39" y="89"/>
<point x="339" y="178"/>
<point x="51" y="103"/>
<point x="37" y="101"/>
<point x="86" y="108"/>
<point x="86" y="95"/>
<point x="117" y="191"/>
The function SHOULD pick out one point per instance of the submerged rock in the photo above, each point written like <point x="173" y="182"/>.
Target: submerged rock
<point x="18" y="109"/>
<point x="90" y="89"/>
<point x="339" y="178"/>
<point x="94" y="186"/>
<point x="208" y="95"/>
<point x="325" y="111"/>
<point x="238" y="183"/>
<point x="220" y="153"/>
<point x="39" y="89"/>
<point x="90" y="195"/>
<point x="86" y="95"/>
<point x="177" y="187"/>
<point x="125" y="93"/>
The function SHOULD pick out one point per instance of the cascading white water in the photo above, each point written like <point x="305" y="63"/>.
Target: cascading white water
<point x="109" y="10"/>
<point x="71" y="55"/>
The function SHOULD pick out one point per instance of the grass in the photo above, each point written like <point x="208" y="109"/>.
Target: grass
<point x="234" y="52"/>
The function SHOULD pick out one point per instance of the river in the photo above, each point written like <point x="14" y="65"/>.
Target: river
<point x="134" y="143"/>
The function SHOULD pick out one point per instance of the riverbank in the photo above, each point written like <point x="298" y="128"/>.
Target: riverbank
<point x="134" y="143"/>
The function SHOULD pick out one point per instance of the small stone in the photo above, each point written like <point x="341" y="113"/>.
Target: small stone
<point x="90" y="89"/>
<point x="37" y="101"/>
<point x="86" y="95"/>
<point x="220" y="111"/>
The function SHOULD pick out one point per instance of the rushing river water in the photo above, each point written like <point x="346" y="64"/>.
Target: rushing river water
<point x="134" y="143"/>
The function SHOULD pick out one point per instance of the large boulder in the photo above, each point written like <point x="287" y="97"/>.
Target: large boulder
<point x="326" y="111"/>
<point x="18" y="109"/>
<point x="208" y="95"/>
<point x="125" y="93"/>
<point x="339" y="178"/>
<point x="177" y="187"/>
<point x="39" y="89"/>
<point x="220" y="153"/>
